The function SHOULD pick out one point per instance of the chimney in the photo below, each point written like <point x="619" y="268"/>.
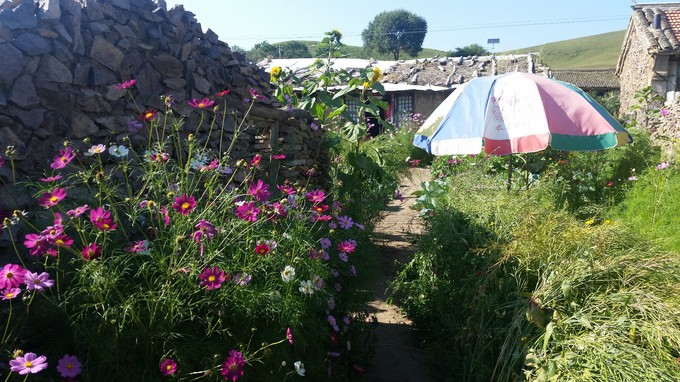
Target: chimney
<point x="657" y="21"/>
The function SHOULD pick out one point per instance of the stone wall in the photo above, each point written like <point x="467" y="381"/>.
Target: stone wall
<point x="61" y="59"/>
<point x="635" y="72"/>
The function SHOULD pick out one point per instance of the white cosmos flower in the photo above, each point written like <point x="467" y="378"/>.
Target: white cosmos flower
<point x="288" y="273"/>
<point x="306" y="287"/>
<point x="300" y="368"/>
<point x="118" y="151"/>
<point x="96" y="149"/>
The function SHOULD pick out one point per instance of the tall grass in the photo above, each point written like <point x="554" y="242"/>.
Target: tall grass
<point x="539" y="294"/>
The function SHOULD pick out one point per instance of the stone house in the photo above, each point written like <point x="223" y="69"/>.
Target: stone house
<point x="650" y="54"/>
<point x="594" y="81"/>
<point x="420" y="85"/>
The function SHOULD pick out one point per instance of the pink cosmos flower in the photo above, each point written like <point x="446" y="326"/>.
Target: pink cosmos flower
<point x="320" y="208"/>
<point x="316" y="196"/>
<point x="65" y="157"/>
<point x="289" y="335"/>
<point x="125" y="85"/>
<point x="212" y="278"/>
<point x="347" y="246"/>
<point x="102" y="219"/>
<point x="11" y="275"/>
<point x="165" y="215"/>
<point x="74" y="213"/>
<point x="52" y="198"/>
<point x="69" y="366"/>
<point x="96" y="149"/>
<point x="286" y="189"/>
<point x="29" y="363"/>
<point x="201" y="104"/>
<point x="233" y="367"/>
<point x="36" y="244"/>
<point x="137" y="247"/>
<point x="662" y="165"/>
<point x="256" y="95"/>
<point x="278" y="157"/>
<point x="210" y="166"/>
<point x="49" y="179"/>
<point x="260" y="190"/>
<point x="247" y="212"/>
<point x="184" y="204"/>
<point x="2" y="162"/>
<point x="10" y="293"/>
<point x="205" y="231"/>
<point x="91" y="251"/>
<point x="168" y="366"/>
<point x="664" y="112"/>
<point x="222" y="93"/>
<point x="262" y="249"/>
<point x="256" y="160"/>
<point x="279" y="209"/>
<point x="320" y="218"/>
<point x="39" y="282"/>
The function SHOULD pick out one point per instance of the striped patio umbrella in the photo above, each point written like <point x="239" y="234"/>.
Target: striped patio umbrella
<point x="518" y="113"/>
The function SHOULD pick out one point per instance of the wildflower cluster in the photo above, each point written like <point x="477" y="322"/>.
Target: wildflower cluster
<point x="161" y="250"/>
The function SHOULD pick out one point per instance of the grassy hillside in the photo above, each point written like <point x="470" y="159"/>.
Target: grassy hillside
<point x="597" y="51"/>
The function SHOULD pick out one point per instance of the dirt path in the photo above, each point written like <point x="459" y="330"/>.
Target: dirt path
<point x="397" y="354"/>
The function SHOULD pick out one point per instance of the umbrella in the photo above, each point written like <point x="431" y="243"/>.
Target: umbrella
<point x="518" y="113"/>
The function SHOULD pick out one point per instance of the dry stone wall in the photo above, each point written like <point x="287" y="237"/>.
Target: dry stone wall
<point x="61" y="59"/>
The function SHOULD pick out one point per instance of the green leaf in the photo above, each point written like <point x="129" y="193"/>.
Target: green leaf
<point x="337" y="111"/>
<point x="330" y="141"/>
<point x="379" y="87"/>
<point x="546" y="336"/>
<point x="345" y="91"/>
<point x="353" y="132"/>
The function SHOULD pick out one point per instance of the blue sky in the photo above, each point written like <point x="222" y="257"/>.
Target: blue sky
<point x="451" y="23"/>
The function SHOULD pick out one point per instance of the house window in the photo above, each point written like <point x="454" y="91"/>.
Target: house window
<point x="353" y="108"/>
<point x="403" y="107"/>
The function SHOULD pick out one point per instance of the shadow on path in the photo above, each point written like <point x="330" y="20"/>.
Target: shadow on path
<point x="397" y="354"/>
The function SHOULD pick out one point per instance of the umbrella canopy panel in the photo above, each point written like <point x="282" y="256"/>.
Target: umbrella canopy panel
<point x="518" y="113"/>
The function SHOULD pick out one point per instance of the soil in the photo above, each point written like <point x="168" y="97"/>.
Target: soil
<point x="398" y="357"/>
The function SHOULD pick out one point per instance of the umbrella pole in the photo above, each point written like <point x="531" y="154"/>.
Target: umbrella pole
<point x="509" y="172"/>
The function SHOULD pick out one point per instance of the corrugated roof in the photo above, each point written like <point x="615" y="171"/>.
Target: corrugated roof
<point x="663" y="39"/>
<point x="587" y="79"/>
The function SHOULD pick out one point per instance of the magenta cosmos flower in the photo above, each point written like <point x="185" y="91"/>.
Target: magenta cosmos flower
<point x="29" y="363"/>
<point x="65" y="157"/>
<point x="289" y="336"/>
<point x="201" y="104"/>
<point x="11" y="276"/>
<point x="212" y="278"/>
<point x="74" y="213"/>
<point x="233" y="367"/>
<point x="91" y="251"/>
<point x="347" y="246"/>
<point x="36" y="244"/>
<point x="102" y="219"/>
<point x="52" y="198"/>
<point x="168" y="366"/>
<point x="316" y="196"/>
<point x="49" y="179"/>
<point x="262" y="249"/>
<point x="125" y="85"/>
<point x="247" y="212"/>
<point x="184" y="204"/>
<point x="259" y="190"/>
<point x="69" y="366"/>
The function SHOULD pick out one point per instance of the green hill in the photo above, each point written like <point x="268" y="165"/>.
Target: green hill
<point x="597" y="51"/>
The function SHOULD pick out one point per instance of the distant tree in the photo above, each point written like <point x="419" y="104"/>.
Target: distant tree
<point x="294" y="49"/>
<point x="394" y="32"/>
<point x="238" y="49"/>
<point x="261" y="50"/>
<point x="470" y="50"/>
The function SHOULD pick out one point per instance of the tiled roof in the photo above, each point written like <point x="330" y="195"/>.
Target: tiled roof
<point x="665" y="38"/>
<point x="587" y="79"/>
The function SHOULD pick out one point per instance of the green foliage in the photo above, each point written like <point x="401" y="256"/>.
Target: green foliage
<point x="395" y="32"/>
<point x="288" y="49"/>
<point x="469" y="50"/>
